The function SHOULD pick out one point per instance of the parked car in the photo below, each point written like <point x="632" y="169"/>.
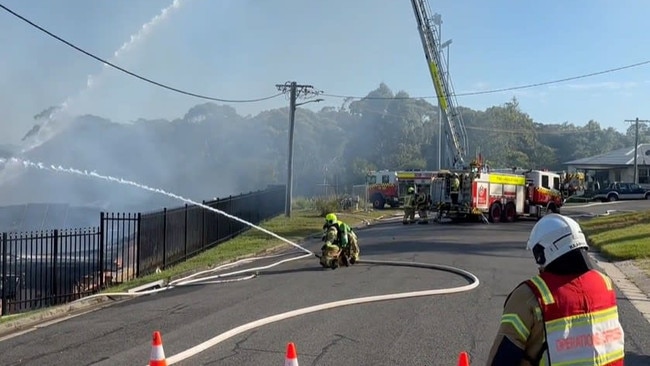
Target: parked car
<point x="622" y="191"/>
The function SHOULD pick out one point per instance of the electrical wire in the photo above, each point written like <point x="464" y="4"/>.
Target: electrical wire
<point x="492" y="91"/>
<point x="164" y="86"/>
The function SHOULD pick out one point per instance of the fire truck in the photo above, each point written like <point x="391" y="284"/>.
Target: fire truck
<point x="496" y="196"/>
<point x="389" y="186"/>
<point x="499" y="195"/>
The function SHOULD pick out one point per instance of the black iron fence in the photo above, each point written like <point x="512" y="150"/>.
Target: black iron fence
<point x="47" y="268"/>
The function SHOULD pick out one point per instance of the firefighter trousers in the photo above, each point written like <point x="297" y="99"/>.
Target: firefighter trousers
<point x="409" y="215"/>
<point x="422" y="212"/>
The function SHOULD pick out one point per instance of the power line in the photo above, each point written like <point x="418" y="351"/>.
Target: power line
<point x="492" y="91"/>
<point x="129" y="72"/>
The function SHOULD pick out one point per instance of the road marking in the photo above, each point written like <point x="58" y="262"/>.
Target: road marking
<point x="591" y="204"/>
<point x="190" y="352"/>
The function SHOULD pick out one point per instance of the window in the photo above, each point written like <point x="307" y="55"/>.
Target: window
<point x="617" y="175"/>
<point x="556" y="183"/>
<point x="372" y="179"/>
<point x="644" y="177"/>
<point x="545" y="181"/>
<point x="385" y="178"/>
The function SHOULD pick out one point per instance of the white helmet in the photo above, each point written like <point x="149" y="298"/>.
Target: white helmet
<point x="553" y="236"/>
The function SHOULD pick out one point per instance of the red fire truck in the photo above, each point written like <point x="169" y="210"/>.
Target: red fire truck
<point x="497" y="196"/>
<point x="389" y="186"/>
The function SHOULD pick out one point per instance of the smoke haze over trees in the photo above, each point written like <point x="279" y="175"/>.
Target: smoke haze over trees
<point x="214" y="152"/>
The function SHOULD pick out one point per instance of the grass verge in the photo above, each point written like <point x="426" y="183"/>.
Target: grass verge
<point x="621" y="237"/>
<point x="300" y="225"/>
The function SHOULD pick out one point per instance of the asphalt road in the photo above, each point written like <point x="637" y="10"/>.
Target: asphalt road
<point x="597" y="208"/>
<point x="423" y="331"/>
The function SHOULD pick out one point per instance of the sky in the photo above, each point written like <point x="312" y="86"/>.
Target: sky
<point x="240" y="49"/>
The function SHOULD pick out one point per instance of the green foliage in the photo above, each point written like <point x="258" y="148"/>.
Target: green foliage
<point x="325" y="205"/>
<point x="303" y="203"/>
<point x="213" y="149"/>
<point x="620" y="237"/>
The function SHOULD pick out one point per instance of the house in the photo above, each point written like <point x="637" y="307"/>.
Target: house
<point x="616" y="166"/>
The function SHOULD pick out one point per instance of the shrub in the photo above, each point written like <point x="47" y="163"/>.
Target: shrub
<point x="303" y="203"/>
<point x="326" y="205"/>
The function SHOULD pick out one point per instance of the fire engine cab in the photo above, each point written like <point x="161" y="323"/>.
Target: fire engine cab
<point x="382" y="188"/>
<point x="389" y="187"/>
<point x="495" y="195"/>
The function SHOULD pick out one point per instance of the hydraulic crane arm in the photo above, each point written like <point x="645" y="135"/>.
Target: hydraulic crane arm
<point x="454" y="129"/>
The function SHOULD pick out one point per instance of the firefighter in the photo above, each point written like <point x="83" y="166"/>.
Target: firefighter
<point x="409" y="206"/>
<point x="338" y="236"/>
<point x="454" y="188"/>
<point x="422" y="203"/>
<point x="547" y="319"/>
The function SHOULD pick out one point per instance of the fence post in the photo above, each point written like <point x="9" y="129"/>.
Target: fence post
<point x="3" y="311"/>
<point x="164" y="243"/>
<point x="137" y="243"/>
<point x="203" y="229"/>
<point x="102" y="221"/>
<point x="229" y="219"/>
<point x="55" y="254"/>
<point x="185" y="234"/>
<point x="217" y="235"/>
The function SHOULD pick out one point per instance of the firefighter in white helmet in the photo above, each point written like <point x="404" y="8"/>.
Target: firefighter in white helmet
<point x="568" y="313"/>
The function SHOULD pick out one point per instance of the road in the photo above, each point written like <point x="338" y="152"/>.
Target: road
<point x="421" y="331"/>
<point x="597" y="208"/>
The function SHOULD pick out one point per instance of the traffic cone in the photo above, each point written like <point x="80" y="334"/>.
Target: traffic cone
<point x="292" y="357"/>
<point x="463" y="359"/>
<point x="157" y="357"/>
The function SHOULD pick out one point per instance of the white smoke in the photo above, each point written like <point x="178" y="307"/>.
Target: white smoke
<point x="48" y="129"/>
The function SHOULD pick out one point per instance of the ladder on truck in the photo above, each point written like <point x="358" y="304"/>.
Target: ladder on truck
<point x="455" y="133"/>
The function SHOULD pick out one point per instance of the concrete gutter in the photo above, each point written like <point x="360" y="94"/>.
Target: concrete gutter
<point x="630" y="280"/>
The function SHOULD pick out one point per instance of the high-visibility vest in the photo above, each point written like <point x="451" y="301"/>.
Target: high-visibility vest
<point x="580" y="319"/>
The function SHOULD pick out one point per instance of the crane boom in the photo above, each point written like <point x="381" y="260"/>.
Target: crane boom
<point x="454" y="128"/>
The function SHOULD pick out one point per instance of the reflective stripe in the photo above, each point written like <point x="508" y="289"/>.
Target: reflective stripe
<point x="608" y="281"/>
<point x="582" y="319"/>
<point x="592" y="339"/>
<point x="547" y="296"/>
<point x="597" y="361"/>
<point x="515" y="321"/>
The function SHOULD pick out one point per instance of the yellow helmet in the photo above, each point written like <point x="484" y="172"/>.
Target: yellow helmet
<point x="330" y="218"/>
<point x="411" y="190"/>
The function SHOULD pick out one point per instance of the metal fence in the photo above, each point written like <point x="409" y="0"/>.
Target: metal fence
<point x="46" y="268"/>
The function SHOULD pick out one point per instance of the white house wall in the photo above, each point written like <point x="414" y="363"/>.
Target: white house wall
<point x="627" y="175"/>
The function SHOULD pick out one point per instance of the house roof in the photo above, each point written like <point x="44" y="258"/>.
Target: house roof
<point x="624" y="156"/>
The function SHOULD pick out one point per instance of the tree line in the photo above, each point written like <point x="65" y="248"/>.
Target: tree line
<point x="213" y="151"/>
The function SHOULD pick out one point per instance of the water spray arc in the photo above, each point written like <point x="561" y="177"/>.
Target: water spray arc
<point x="253" y="272"/>
<point x="45" y="133"/>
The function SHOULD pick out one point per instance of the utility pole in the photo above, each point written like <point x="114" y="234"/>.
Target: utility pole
<point x="295" y="91"/>
<point x="636" y="145"/>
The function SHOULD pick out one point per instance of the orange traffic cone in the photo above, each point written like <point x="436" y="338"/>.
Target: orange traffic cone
<point x="463" y="359"/>
<point x="292" y="357"/>
<point x="157" y="353"/>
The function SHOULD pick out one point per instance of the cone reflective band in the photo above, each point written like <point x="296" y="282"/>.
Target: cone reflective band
<point x="157" y="357"/>
<point x="292" y="357"/>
